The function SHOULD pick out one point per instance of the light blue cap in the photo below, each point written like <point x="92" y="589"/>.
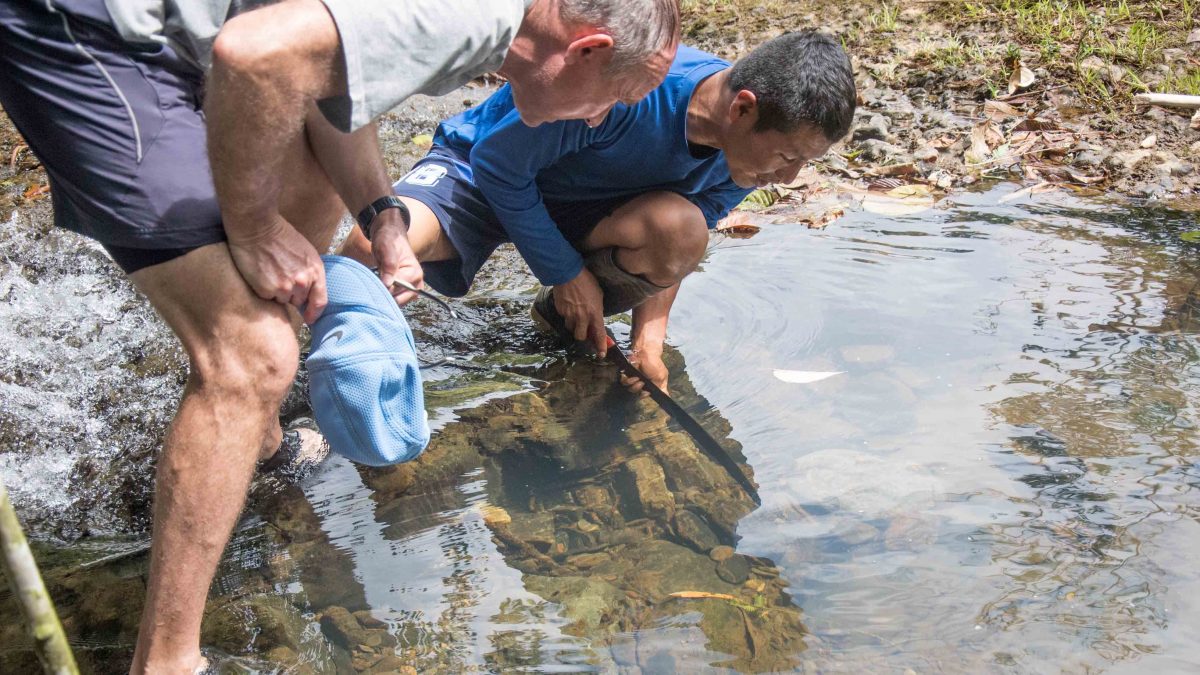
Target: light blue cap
<point x="364" y="379"/>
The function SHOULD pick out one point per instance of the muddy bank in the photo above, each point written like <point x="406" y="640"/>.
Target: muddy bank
<point x="1037" y="91"/>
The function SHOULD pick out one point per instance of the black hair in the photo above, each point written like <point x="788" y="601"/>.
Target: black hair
<point x="799" y="78"/>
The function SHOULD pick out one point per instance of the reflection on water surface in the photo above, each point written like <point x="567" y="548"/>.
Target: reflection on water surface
<point x="1003" y="479"/>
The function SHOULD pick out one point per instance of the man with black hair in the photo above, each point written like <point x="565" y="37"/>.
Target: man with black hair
<point x="611" y="216"/>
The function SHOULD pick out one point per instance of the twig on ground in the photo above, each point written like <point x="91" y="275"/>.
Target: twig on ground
<point x="1169" y="100"/>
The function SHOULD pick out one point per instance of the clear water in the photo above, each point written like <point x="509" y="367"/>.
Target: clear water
<point x="1003" y="478"/>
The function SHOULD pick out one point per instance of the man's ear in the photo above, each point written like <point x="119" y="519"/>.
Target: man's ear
<point x="744" y="108"/>
<point x="595" y="45"/>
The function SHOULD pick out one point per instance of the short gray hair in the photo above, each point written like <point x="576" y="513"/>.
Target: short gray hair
<point x="639" y="28"/>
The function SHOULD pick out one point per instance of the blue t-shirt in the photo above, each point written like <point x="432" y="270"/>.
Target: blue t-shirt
<point x="637" y="149"/>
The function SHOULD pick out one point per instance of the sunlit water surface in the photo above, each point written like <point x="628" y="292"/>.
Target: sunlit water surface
<point x="1002" y="478"/>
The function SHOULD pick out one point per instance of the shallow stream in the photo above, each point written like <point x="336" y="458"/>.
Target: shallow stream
<point x="1002" y="477"/>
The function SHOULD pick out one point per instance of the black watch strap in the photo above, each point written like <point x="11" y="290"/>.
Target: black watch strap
<point x="368" y="214"/>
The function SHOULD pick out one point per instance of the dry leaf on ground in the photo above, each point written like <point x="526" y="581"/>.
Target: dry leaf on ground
<point x="1021" y="78"/>
<point x="999" y="110"/>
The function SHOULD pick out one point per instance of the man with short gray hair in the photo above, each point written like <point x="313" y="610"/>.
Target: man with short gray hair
<point x="108" y="95"/>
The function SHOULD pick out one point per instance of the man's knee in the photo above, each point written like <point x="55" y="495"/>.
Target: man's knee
<point x="252" y="362"/>
<point x="679" y="235"/>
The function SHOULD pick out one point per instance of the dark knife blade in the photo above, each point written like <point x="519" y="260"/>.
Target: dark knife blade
<point x="703" y="440"/>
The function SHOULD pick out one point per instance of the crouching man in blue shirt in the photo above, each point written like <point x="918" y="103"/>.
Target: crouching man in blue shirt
<point x="611" y="213"/>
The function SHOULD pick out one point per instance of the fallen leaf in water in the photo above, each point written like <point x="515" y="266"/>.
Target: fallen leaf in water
<point x="1021" y="78"/>
<point x="740" y="231"/>
<point x="910" y="190"/>
<point x="884" y="205"/>
<point x="817" y="221"/>
<point x="698" y="595"/>
<point x="1192" y="237"/>
<point x="737" y="225"/>
<point x="804" y="376"/>
<point x="1027" y="192"/>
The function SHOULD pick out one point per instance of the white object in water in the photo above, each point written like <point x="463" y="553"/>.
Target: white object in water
<point x="804" y="376"/>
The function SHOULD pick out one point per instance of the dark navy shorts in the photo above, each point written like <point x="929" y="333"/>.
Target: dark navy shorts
<point x="444" y="182"/>
<point x="118" y="128"/>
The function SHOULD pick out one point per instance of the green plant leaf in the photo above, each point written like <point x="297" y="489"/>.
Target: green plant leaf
<point x="759" y="199"/>
<point x="1191" y="237"/>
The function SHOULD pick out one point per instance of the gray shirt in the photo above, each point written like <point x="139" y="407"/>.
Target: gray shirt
<point x="396" y="49"/>
<point x="393" y="48"/>
<point x="187" y="26"/>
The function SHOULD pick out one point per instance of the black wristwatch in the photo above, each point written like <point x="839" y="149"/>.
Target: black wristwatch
<point x="368" y="214"/>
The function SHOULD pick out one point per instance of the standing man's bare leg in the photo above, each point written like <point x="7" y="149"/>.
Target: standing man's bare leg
<point x="243" y="357"/>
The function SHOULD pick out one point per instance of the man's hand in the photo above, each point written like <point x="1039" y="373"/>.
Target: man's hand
<point x="650" y="362"/>
<point x="281" y="265"/>
<point x="394" y="255"/>
<point x="581" y="304"/>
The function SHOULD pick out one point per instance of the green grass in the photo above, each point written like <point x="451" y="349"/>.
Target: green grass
<point x="1128" y="33"/>
<point x="885" y="18"/>
<point x="1188" y="83"/>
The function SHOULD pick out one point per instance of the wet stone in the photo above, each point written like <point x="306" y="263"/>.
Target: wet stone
<point x="734" y="570"/>
<point x="593" y="497"/>
<point x="874" y="150"/>
<point x="865" y="354"/>
<point x="875" y="127"/>
<point x="721" y="553"/>
<point x="853" y="534"/>
<point x="926" y="154"/>
<point x="342" y="628"/>
<point x="586" y="561"/>
<point x="587" y="601"/>
<point x="694" y="531"/>
<point x="650" y="487"/>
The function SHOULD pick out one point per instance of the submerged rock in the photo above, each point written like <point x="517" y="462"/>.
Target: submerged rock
<point x="734" y="570"/>
<point x="694" y="531"/>
<point x="649" y="487"/>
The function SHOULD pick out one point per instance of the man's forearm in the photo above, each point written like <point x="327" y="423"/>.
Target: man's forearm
<point x="268" y="65"/>
<point x="650" y="321"/>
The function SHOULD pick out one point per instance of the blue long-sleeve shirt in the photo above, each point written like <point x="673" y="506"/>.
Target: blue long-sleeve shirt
<point x="637" y="149"/>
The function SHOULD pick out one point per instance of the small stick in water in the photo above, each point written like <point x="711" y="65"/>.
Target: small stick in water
<point x="420" y="291"/>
